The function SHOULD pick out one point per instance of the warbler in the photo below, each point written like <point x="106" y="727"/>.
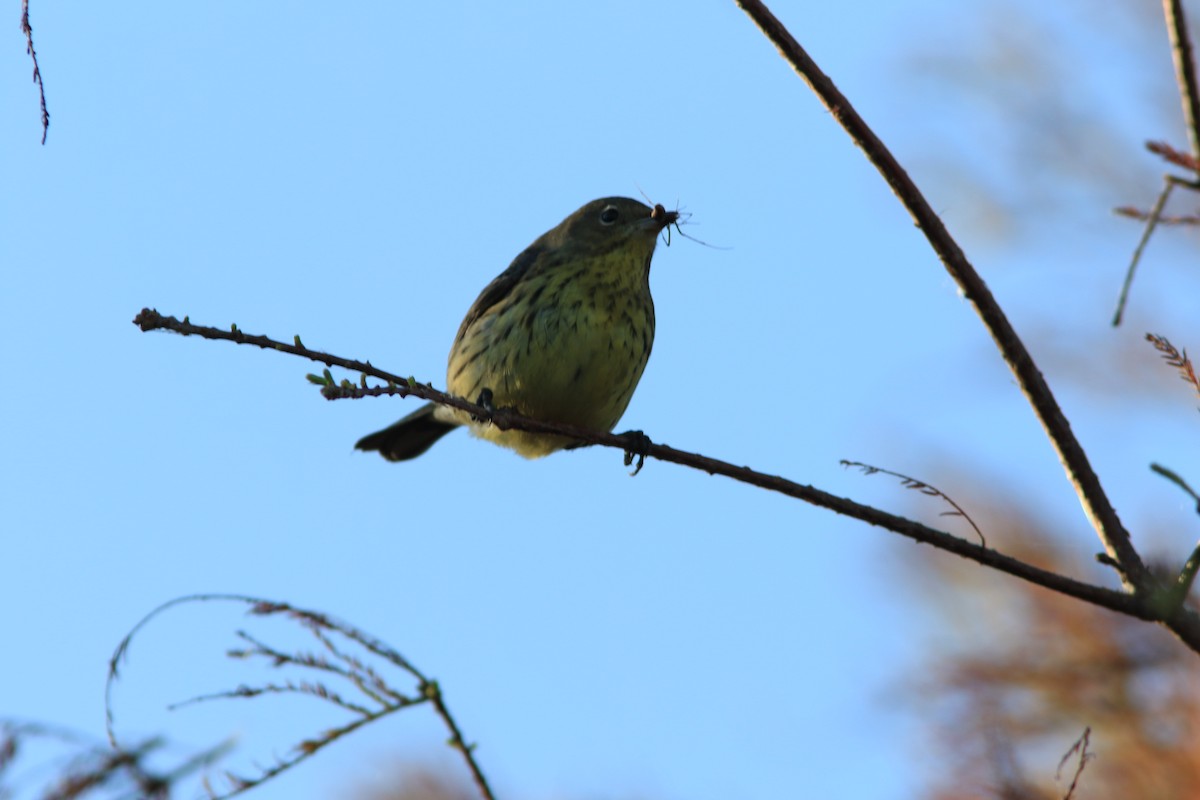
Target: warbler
<point x="562" y="335"/>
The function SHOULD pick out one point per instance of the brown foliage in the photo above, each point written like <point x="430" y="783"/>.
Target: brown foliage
<point x="1030" y="670"/>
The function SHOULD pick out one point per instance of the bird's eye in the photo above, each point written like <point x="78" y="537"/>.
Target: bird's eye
<point x="609" y="215"/>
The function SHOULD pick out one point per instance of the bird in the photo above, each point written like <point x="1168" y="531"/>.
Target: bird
<point x="562" y="335"/>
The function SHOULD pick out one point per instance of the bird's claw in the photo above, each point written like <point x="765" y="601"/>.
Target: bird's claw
<point x="485" y="399"/>
<point x="639" y="446"/>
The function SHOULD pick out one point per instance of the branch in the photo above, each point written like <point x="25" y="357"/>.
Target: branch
<point x="1187" y="575"/>
<point x="1185" y="78"/>
<point x="1085" y="756"/>
<point x="355" y="671"/>
<point x="1190" y="220"/>
<point x="1079" y="471"/>
<point x="150" y="320"/>
<point x="1152" y="220"/>
<point x="37" y="70"/>
<point x="1186" y="624"/>
<point x="92" y="767"/>
<point x="1176" y="479"/>
<point x="1172" y="156"/>
<point x="1185" y="70"/>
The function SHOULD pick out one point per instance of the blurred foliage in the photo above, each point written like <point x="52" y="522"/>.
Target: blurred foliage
<point x="1017" y="673"/>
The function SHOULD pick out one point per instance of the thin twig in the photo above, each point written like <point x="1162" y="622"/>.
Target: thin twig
<point x="1176" y="479"/>
<point x="924" y="488"/>
<point x="1080" y="747"/>
<point x="1187" y="575"/>
<point x="1188" y="220"/>
<point x="304" y="750"/>
<point x="1075" y="462"/>
<point x="434" y="692"/>
<point x="27" y="29"/>
<point x="1185" y="624"/>
<point x="1172" y="156"/>
<point x="93" y="765"/>
<point x="318" y="691"/>
<point x="1151" y="223"/>
<point x="1185" y="78"/>
<point x="319" y="624"/>
<point x="365" y="679"/>
<point x="1185" y="70"/>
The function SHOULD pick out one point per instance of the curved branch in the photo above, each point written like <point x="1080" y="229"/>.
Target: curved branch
<point x="1096" y="505"/>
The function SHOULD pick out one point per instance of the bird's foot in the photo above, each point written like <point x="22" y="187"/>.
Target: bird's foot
<point x="639" y="447"/>
<point x="485" y="399"/>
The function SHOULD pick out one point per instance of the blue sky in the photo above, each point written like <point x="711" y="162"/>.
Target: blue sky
<point x="356" y="177"/>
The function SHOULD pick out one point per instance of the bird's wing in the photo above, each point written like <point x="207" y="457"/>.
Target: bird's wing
<point x="500" y="287"/>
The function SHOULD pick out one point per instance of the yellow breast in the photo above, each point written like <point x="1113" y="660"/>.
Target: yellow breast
<point x="568" y="346"/>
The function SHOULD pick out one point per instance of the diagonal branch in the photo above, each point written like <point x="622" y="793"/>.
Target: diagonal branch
<point x="27" y="29"/>
<point x="1185" y="78"/>
<point x="1152" y="220"/>
<point x="1185" y="70"/>
<point x="1183" y="622"/>
<point x="1096" y="505"/>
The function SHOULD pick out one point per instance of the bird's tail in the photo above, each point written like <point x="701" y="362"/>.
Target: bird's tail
<point x="408" y="438"/>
